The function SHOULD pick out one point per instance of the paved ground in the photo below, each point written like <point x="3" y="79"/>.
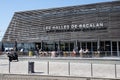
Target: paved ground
<point x="57" y="67"/>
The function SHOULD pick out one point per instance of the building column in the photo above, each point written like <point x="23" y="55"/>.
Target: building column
<point x="59" y="45"/>
<point x="98" y="44"/>
<point x="76" y="43"/>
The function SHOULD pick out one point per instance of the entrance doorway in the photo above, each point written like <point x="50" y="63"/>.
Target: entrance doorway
<point x="38" y="45"/>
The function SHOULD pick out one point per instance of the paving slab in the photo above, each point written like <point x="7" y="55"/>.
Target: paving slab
<point x="61" y="68"/>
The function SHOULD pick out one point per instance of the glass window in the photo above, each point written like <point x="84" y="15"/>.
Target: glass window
<point x="0" y="44"/>
<point x="9" y="45"/>
<point x="108" y="48"/>
<point x="48" y="46"/>
<point x="107" y="45"/>
<point x="38" y="44"/>
<point x="114" y="48"/>
<point x="66" y="46"/>
<point x="79" y="45"/>
<point x="62" y="46"/>
<point x="94" y="46"/>
<point x="119" y="46"/>
<point x="102" y="46"/>
<point x="83" y="45"/>
<point x="27" y="46"/>
<point x="89" y="46"/>
<point x="71" y="46"/>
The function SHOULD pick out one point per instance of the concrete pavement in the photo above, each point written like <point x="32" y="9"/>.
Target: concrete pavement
<point x="68" y="67"/>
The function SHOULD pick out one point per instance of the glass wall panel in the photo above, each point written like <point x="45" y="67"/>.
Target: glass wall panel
<point x="114" y="48"/>
<point x="56" y="46"/>
<point x="107" y="45"/>
<point x="94" y="46"/>
<point x="71" y="46"/>
<point x="2" y="48"/>
<point x="102" y="46"/>
<point x="44" y="46"/>
<point x="62" y="46"/>
<point x="89" y="46"/>
<point x="79" y="45"/>
<point x="66" y="46"/>
<point x="108" y="48"/>
<point x="26" y="46"/>
<point x="9" y="45"/>
<point x="20" y="46"/>
<point x="39" y="45"/>
<point x="83" y="45"/>
<point x="119" y="45"/>
<point x="0" y="44"/>
<point x="48" y="46"/>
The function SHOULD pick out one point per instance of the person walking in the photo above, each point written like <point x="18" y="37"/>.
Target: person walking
<point x="37" y="50"/>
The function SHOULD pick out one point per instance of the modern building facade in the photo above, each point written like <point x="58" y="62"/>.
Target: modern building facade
<point x="93" y="26"/>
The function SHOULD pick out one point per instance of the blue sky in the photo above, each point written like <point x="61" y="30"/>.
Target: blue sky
<point x="8" y="7"/>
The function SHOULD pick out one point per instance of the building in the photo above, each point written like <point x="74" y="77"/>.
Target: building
<point x="93" y="26"/>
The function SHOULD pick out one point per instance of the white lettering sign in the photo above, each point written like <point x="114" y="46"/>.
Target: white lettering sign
<point x="75" y="27"/>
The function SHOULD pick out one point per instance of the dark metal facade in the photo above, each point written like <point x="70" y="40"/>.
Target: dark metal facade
<point x="85" y="23"/>
<point x="29" y="25"/>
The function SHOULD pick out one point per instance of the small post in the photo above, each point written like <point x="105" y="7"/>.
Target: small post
<point x="48" y="67"/>
<point x="91" y="70"/>
<point x="115" y="71"/>
<point x="31" y="67"/>
<point x="69" y="68"/>
<point x="9" y="66"/>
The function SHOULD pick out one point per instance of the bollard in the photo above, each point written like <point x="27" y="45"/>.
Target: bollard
<point x="91" y="70"/>
<point x="9" y="66"/>
<point x="30" y="67"/>
<point x="69" y="68"/>
<point x="115" y="71"/>
<point x="48" y="67"/>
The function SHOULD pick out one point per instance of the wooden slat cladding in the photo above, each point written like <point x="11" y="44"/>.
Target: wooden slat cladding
<point x="30" y="25"/>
